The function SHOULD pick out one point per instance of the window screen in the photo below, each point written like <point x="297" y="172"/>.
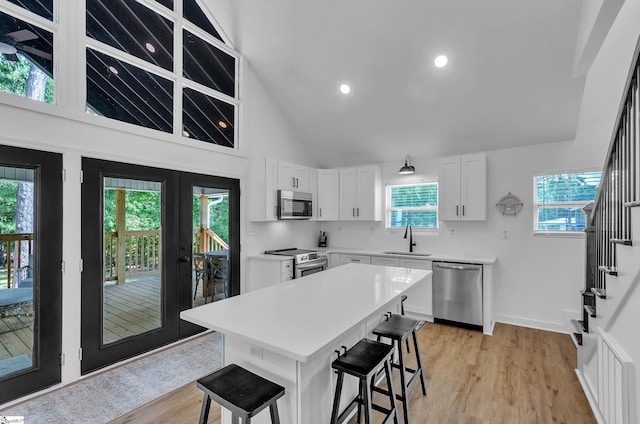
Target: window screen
<point x="415" y="204"/>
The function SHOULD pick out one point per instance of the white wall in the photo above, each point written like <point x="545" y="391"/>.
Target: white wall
<point x="537" y="279"/>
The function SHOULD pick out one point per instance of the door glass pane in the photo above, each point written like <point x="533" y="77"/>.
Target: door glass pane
<point x="17" y="262"/>
<point x="132" y="286"/>
<point x="210" y="245"/>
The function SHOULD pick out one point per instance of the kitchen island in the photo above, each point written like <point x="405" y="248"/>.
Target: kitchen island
<point x="289" y="332"/>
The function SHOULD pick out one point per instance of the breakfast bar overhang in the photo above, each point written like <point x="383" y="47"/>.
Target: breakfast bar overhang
<point x="289" y="332"/>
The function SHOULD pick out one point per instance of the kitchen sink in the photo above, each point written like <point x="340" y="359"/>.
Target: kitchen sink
<point x="395" y="252"/>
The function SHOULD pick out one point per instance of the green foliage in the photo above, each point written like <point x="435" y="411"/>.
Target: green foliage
<point x="14" y="77"/>
<point x="8" y="194"/>
<point x="406" y="198"/>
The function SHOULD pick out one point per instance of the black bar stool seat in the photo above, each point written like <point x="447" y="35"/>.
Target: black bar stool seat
<point x="397" y="328"/>
<point x="240" y="391"/>
<point x="363" y="361"/>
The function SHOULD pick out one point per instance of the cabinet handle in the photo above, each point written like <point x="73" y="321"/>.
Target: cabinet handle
<point x="293" y="182"/>
<point x="355" y="260"/>
<point x="457" y="210"/>
<point x="319" y="211"/>
<point x="462" y="210"/>
<point x="297" y="183"/>
<point x="357" y="211"/>
<point x="353" y="211"/>
<point x="275" y="211"/>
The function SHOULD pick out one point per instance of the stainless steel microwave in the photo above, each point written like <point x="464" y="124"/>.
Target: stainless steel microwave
<point x="294" y="205"/>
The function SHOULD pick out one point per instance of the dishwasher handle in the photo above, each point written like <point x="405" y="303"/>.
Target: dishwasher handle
<point x="463" y="267"/>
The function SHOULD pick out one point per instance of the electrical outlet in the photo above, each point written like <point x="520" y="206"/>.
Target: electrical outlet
<point x="256" y="351"/>
<point x="452" y="232"/>
<point x="505" y="235"/>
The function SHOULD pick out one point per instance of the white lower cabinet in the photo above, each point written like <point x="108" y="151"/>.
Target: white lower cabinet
<point x="359" y="259"/>
<point x="267" y="272"/>
<point x="419" y="297"/>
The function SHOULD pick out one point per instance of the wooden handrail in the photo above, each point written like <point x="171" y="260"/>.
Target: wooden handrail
<point x="18" y="239"/>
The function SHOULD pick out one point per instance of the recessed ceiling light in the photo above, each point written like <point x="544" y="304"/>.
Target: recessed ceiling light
<point x="345" y="89"/>
<point x="150" y="47"/>
<point x="222" y="124"/>
<point x="441" y="61"/>
<point x="113" y="70"/>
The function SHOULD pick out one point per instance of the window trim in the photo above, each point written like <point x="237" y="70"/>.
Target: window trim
<point x="536" y="205"/>
<point x="388" y="209"/>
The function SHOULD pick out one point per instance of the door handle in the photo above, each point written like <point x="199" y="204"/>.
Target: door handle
<point x="185" y="259"/>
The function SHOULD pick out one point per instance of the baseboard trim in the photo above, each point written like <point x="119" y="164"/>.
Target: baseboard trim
<point x="538" y="325"/>
<point x="593" y="403"/>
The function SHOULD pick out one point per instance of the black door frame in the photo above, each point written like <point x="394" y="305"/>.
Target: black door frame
<point x="177" y="231"/>
<point x="47" y="305"/>
<point x="187" y="182"/>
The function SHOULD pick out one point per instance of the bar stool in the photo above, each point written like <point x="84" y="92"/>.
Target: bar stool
<point x="398" y="328"/>
<point x="240" y="391"/>
<point x="402" y="299"/>
<point x="363" y="361"/>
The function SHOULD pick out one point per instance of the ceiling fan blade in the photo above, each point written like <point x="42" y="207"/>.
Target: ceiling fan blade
<point x="12" y="57"/>
<point x="22" y="35"/>
<point x="36" y="52"/>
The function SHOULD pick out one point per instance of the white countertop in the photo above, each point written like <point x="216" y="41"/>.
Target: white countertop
<point x="433" y="256"/>
<point x="301" y="317"/>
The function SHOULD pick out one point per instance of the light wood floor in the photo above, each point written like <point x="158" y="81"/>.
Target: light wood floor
<point x="518" y="375"/>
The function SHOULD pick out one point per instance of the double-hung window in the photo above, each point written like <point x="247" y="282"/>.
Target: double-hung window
<point x="415" y="204"/>
<point x="558" y="200"/>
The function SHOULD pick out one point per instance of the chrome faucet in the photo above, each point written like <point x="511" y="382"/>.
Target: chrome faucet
<point x="411" y="242"/>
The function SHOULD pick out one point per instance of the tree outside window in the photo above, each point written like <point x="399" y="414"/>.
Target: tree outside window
<point x="415" y="204"/>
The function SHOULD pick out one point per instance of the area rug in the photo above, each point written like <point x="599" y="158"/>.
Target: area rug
<point x="113" y="393"/>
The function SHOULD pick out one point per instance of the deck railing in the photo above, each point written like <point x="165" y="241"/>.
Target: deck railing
<point x="143" y="250"/>
<point x="205" y="240"/>
<point x="619" y="186"/>
<point x="141" y="254"/>
<point x="12" y="258"/>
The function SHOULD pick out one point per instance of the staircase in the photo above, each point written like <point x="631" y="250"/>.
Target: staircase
<point x="607" y="336"/>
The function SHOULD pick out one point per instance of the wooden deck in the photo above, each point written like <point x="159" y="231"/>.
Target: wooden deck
<point x="130" y="309"/>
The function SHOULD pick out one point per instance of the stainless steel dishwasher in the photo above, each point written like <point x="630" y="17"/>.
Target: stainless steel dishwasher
<point x="457" y="293"/>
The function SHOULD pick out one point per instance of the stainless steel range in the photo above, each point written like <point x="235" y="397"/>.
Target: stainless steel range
<point x="305" y="262"/>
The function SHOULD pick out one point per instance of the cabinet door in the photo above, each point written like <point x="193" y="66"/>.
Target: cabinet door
<point x="301" y="177"/>
<point x="419" y="297"/>
<point x="264" y="179"/>
<point x="368" y="194"/>
<point x="382" y="260"/>
<point x="449" y="208"/>
<point x="328" y="195"/>
<point x="348" y="193"/>
<point x="473" y="187"/>
<point x="313" y="189"/>
<point x="286" y="178"/>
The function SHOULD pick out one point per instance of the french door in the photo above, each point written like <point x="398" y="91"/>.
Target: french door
<point x="30" y="271"/>
<point x="140" y="229"/>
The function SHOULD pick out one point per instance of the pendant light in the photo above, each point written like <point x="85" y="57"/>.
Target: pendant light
<point x="407" y="168"/>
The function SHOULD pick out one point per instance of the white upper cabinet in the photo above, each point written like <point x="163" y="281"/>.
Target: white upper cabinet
<point x="264" y="177"/>
<point x="360" y="194"/>
<point x="463" y="188"/>
<point x="293" y="177"/>
<point x="328" y="200"/>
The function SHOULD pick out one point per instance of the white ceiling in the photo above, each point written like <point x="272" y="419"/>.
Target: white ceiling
<point x="508" y="82"/>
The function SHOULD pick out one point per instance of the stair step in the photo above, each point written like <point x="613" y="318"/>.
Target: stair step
<point x="625" y="242"/>
<point x="591" y="310"/>
<point x="578" y="325"/>
<point x="601" y="293"/>
<point x="577" y="338"/>
<point x="609" y="270"/>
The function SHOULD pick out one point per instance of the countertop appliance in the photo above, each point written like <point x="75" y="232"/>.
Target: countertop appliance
<point x="305" y="261"/>
<point x="457" y="293"/>
<point x="294" y="205"/>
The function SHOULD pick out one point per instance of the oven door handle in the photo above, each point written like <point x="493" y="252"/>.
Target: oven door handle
<point x="310" y="265"/>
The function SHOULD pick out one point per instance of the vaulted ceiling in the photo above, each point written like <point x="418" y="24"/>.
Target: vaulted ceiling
<point x="510" y="80"/>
